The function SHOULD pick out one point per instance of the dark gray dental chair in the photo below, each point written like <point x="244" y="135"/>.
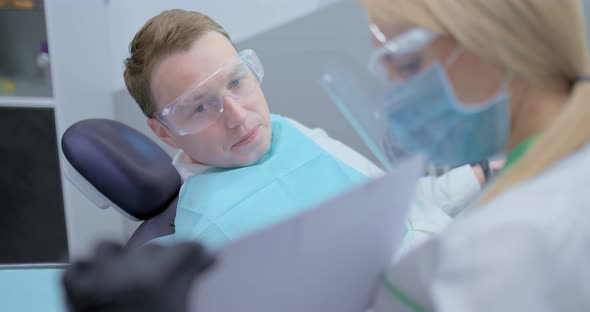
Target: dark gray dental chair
<point x="118" y="167"/>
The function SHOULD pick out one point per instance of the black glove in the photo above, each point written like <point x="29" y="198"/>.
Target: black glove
<point x="152" y="278"/>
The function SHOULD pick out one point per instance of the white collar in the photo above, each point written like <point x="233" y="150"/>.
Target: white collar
<point x="186" y="167"/>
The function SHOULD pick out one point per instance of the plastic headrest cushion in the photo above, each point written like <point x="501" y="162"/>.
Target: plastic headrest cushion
<point x="124" y="165"/>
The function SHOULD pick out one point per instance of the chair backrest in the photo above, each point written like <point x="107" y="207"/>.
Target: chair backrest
<point x="118" y="167"/>
<point x="160" y="225"/>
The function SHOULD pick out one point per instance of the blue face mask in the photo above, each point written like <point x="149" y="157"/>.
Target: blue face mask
<point x="426" y="117"/>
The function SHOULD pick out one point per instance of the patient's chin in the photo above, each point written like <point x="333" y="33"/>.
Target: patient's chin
<point x="243" y="162"/>
<point x="250" y="155"/>
<point x="256" y="155"/>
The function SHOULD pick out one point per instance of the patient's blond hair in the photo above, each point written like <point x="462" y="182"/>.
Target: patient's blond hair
<point x="538" y="40"/>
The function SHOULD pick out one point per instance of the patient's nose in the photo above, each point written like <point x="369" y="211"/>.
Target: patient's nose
<point x="233" y="112"/>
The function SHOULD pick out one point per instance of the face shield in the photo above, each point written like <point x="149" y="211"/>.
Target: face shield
<point x="403" y="102"/>
<point x="202" y="104"/>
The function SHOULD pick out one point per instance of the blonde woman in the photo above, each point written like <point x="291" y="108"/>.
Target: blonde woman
<point x="489" y="77"/>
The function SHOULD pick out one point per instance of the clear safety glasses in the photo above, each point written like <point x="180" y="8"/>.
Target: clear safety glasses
<point x="401" y="57"/>
<point x="202" y="104"/>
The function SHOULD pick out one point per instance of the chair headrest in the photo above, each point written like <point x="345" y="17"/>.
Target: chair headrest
<point x="124" y="165"/>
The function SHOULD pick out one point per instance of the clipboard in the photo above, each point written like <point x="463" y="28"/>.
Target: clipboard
<point x="329" y="258"/>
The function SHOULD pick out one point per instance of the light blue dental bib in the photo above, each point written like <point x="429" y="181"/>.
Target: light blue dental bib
<point x="223" y="204"/>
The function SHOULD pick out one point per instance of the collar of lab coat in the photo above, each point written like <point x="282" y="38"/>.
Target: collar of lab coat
<point x="186" y="167"/>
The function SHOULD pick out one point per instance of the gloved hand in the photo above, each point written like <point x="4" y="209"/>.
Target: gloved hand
<point x="152" y="278"/>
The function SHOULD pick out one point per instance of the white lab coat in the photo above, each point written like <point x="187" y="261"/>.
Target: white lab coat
<point x="527" y="250"/>
<point x="434" y="197"/>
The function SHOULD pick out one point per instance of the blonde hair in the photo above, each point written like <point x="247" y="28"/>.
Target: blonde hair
<point x="536" y="39"/>
<point x="169" y="32"/>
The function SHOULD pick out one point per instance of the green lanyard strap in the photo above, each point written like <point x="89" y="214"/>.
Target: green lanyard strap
<point x="399" y="295"/>
<point x="517" y="152"/>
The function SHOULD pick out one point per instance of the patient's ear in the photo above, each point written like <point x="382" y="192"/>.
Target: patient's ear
<point x="162" y="132"/>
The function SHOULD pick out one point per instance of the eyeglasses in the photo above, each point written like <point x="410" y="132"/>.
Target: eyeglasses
<point x="202" y="104"/>
<point x="400" y="57"/>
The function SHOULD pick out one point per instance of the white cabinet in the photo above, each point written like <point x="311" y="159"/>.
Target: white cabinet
<point x="76" y="87"/>
<point x="32" y="217"/>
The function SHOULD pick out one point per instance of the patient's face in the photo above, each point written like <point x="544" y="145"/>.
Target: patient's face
<point x="240" y="135"/>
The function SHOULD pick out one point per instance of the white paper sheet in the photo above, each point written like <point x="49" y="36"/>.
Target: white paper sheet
<point x="328" y="259"/>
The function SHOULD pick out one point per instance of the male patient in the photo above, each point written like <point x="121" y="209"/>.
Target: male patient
<point x="242" y="167"/>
